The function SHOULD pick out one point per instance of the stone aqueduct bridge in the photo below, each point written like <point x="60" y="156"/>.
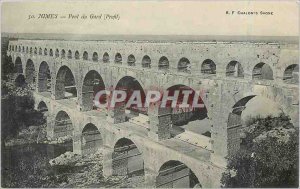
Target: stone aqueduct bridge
<point x="227" y="74"/>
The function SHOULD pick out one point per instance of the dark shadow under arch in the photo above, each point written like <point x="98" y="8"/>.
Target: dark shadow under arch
<point x="175" y="174"/>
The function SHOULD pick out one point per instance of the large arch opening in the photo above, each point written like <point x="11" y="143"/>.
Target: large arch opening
<point x="42" y="107"/>
<point x="146" y="62"/>
<point x="63" y="127"/>
<point x="92" y="84"/>
<point x="163" y="63"/>
<point x="291" y="74"/>
<point x="118" y="58"/>
<point x="208" y="67"/>
<point x="91" y="139"/>
<point x="189" y="119"/>
<point x="131" y="85"/>
<point x="127" y="159"/>
<point x="184" y="65"/>
<point x="65" y="86"/>
<point x="245" y="109"/>
<point x="18" y="66"/>
<point x="30" y="72"/>
<point x="44" y="80"/>
<point x="262" y="71"/>
<point x="175" y="174"/>
<point x="131" y="60"/>
<point x="234" y="69"/>
<point x="20" y="81"/>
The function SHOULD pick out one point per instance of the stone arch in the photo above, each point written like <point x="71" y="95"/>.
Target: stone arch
<point x="85" y="55"/>
<point x="201" y="92"/>
<point x="127" y="159"/>
<point x="118" y="58"/>
<point x="40" y="51"/>
<point x="262" y="71"/>
<point x="18" y="65"/>
<point x="20" y="81"/>
<point x="63" y="53"/>
<point x="131" y="60"/>
<point x="30" y="51"/>
<point x="27" y="50"/>
<point x="45" y="52"/>
<point x="291" y="74"/>
<point x="208" y="67"/>
<point x="130" y="84"/>
<point x="189" y="118"/>
<point x="105" y="57"/>
<point x="44" y="77"/>
<point x="16" y="47"/>
<point x="234" y="69"/>
<point x="184" y="65"/>
<point x="77" y="56"/>
<point x="175" y="174"/>
<point x="51" y="52"/>
<point x="63" y="126"/>
<point x="35" y="50"/>
<point x="30" y="73"/>
<point x="65" y="86"/>
<point x="91" y="139"/>
<point x="92" y="84"/>
<point x="146" y="62"/>
<point x="56" y="53"/>
<point x="69" y="54"/>
<point x="95" y="57"/>
<point x="23" y="49"/>
<point x="42" y="107"/>
<point x="163" y="63"/>
<point x="235" y="121"/>
<point x="19" y="48"/>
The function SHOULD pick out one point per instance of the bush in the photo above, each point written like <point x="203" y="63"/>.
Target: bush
<point x="268" y="156"/>
<point x="18" y="112"/>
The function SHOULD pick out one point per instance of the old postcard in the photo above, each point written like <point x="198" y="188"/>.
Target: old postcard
<point x="149" y="94"/>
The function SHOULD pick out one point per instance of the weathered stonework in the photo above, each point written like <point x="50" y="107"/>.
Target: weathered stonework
<point x="223" y="96"/>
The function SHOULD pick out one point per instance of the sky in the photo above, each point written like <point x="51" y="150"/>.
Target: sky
<point x="154" y="18"/>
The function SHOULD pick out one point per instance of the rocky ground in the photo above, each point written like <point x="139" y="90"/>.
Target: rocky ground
<point x="73" y="170"/>
<point x="87" y="172"/>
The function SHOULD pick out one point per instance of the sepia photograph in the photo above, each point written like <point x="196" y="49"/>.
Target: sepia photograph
<point x="150" y="94"/>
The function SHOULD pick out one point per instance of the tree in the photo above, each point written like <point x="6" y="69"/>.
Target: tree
<point x="268" y="156"/>
<point x="7" y="66"/>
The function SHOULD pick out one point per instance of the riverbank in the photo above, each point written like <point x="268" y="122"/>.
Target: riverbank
<point x="31" y="160"/>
